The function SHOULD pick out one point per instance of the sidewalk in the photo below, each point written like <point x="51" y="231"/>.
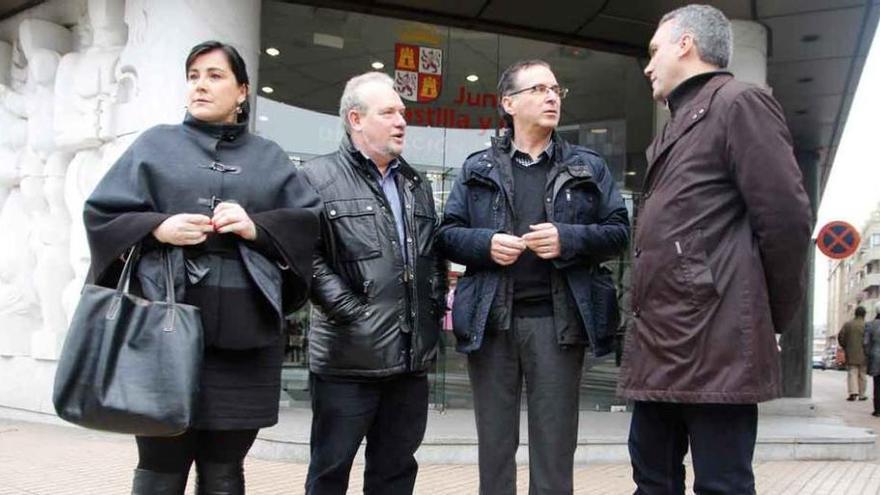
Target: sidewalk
<point x="788" y="430"/>
<point x="52" y="459"/>
<point x="42" y="459"/>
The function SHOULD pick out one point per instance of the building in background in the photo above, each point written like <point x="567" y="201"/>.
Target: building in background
<point x="80" y="79"/>
<point x="855" y="281"/>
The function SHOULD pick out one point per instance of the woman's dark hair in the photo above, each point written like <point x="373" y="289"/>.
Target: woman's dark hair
<point x="236" y="62"/>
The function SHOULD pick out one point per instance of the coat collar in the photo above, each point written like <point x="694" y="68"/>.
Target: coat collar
<point x="494" y="166"/>
<point x="501" y="151"/>
<point x="225" y="132"/>
<point x="686" y="116"/>
<point x="360" y="162"/>
<point x="208" y="136"/>
<point x="688" y="89"/>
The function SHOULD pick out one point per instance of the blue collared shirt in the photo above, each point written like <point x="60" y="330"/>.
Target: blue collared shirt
<point x="388" y="184"/>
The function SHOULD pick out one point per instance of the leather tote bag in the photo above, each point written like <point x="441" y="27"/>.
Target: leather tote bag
<point x="130" y="365"/>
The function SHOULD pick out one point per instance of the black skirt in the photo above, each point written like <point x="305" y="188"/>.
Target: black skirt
<point x="240" y="389"/>
<point x="241" y="368"/>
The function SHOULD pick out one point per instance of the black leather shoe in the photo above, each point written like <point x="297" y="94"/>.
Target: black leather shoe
<point x="155" y="483"/>
<point x="219" y="479"/>
<point x="863" y="397"/>
<point x="851" y="397"/>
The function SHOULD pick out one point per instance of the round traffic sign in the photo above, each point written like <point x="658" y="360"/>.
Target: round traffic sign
<point x="838" y="240"/>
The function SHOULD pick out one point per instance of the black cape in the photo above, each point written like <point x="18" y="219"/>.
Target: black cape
<point x="188" y="168"/>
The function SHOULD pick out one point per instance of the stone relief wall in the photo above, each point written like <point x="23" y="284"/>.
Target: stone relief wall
<point x="58" y="89"/>
<point x="79" y="80"/>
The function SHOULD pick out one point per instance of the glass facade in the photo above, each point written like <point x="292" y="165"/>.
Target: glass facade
<point x="448" y="78"/>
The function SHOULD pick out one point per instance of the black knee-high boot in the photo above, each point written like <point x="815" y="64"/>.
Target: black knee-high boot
<point x="219" y="479"/>
<point x="155" y="483"/>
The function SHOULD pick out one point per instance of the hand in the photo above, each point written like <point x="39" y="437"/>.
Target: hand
<point x="231" y="218"/>
<point x="183" y="229"/>
<point x="505" y="249"/>
<point x="543" y="240"/>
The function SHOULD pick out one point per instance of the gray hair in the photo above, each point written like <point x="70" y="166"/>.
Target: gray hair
<point x="351" y="96"/>
<point x="711" y="30"/>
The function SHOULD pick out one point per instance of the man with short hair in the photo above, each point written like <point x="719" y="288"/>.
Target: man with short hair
<point x="851" y="339"/>
<point x="378" y="295"/>
<point x="718" y="264"/>
<point x="531" y="218"/>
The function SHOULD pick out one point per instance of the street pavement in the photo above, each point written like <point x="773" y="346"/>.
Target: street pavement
<point x="46" y="458"/>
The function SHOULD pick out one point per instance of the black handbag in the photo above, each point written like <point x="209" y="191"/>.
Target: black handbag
<point x="130" y="365"/>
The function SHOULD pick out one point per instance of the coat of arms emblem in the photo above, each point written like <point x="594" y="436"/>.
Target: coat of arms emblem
<point x="417" y="72"/>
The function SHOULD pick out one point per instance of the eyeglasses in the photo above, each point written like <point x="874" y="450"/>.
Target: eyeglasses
<point x="542" y="89"/>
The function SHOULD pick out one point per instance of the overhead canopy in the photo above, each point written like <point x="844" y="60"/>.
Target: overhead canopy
<point x="817" y="48"/>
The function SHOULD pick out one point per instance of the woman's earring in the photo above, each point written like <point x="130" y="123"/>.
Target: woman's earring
<point x="238" y="109"/>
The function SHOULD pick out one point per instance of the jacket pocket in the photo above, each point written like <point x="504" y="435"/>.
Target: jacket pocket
<point x="355" y="229"/>
<point x="579" y="200"/>
<point x="484" y="202"/>
<point x="425" y="226"/>
<point x="694" y="266"/>
<point x="464" y="306"/>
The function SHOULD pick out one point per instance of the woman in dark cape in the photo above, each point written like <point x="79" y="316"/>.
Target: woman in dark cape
<point x="239" y="224"/>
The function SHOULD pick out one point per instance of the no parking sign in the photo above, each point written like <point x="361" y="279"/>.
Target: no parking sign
<point x="838" y="240"/>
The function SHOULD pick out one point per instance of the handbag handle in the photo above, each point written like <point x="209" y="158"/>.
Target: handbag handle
<point x="125" y="277"/>
<point x="169" y="294"/>
<point x="122" y="287"/>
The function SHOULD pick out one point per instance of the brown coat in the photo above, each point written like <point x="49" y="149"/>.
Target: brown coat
<point x="851" y="339"/>
<point x="718" y="253"/>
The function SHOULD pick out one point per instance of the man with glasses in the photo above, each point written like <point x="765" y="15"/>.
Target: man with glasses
<point x="531" y="218"/>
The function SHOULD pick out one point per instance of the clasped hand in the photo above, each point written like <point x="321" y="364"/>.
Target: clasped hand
<point x="543" y="240"/>
<point x="187" y="229"/>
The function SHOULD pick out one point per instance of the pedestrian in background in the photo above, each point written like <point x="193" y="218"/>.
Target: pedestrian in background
<point x="872" y="354"/>
<point x="851" y="338"/>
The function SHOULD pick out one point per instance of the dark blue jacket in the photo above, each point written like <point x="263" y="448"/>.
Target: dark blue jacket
<point x="584" y="204"/>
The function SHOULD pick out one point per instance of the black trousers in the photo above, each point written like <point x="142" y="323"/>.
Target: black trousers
<point x="176" y="454"/>
<point x="391" y="413"/>
<point x="721" y="438"/>
<point x="877" y="394"/>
